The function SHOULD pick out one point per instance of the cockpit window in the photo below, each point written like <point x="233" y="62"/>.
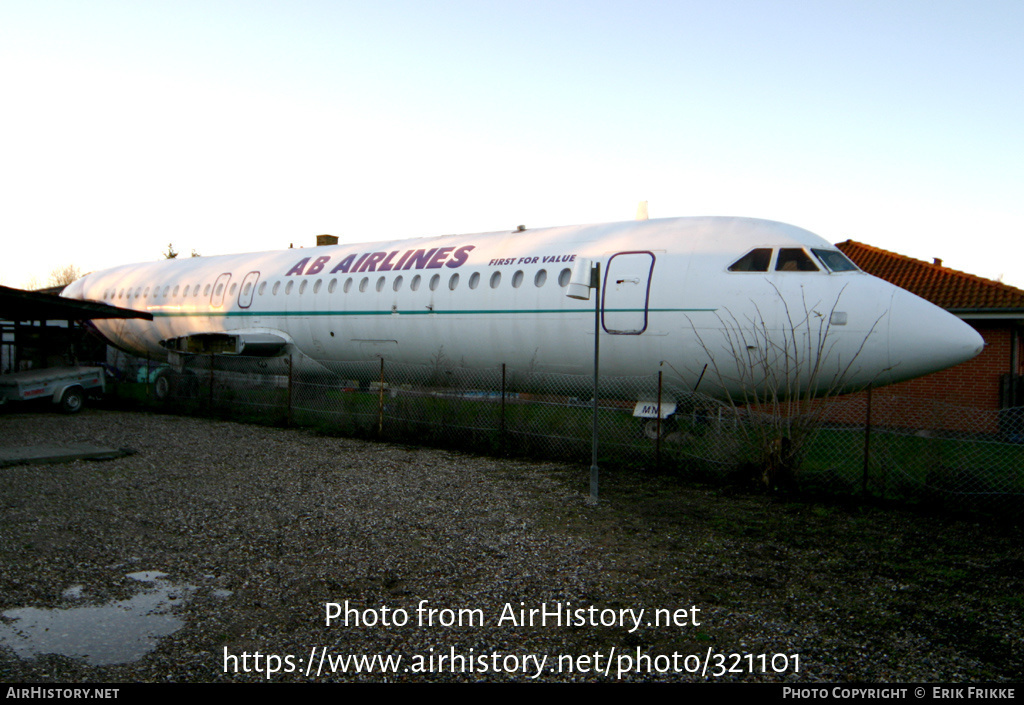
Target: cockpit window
<point x="835" y="261"/>
<point x="754" y="261"/>
<point x="794" y="259"/>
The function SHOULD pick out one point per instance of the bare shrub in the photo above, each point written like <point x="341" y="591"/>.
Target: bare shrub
<point x="781" y="383"/>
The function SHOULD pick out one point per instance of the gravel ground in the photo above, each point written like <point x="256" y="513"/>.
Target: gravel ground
<point x="258" y="528"/>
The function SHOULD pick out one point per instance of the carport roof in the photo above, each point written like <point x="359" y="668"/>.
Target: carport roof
<point x="20" y="305"/>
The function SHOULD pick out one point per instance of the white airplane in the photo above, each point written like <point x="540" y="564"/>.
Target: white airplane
<point x="716" y="303"/>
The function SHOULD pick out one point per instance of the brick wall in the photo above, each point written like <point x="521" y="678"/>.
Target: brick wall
<point x="934" y="401"/>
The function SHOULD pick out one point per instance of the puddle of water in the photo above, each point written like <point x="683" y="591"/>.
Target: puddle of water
<point x="117" y="632"/>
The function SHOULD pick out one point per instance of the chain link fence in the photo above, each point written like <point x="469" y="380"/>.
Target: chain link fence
<point x="881" y="445"/>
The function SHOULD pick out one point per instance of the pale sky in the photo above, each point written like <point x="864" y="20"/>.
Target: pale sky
<point x="226" y="126"/>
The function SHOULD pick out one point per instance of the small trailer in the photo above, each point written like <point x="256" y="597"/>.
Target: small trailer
<point x="66" y="386"/>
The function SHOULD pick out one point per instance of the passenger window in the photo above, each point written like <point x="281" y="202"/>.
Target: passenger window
<point x="232" y="292"/>
<point x="398" y="283"/>
<point x="453" y="282"/>
<point x="365" y="282"/>
<point x="348" y="285"/>
<point x="246" y="288"/>
<point x="415" y="283"/>
<point x="332" y="286"/>
<point x="167" y="289"/>
<point x="277" y="288"/>
<point x="263" y="288"/>
<point x="380" y="284"/>
<point x="302" y="287"/>
<point x="495" y="280"/>
<point x="474" y="280"/>
<point x="835" y="261"/>
<point x="206" y="291"/>
<point x="288" y="287"/>
<point x="517" y="279"/>
<point x="316" y="286"/>
<point x="754" y="261"/>
<point x="434" y="281"/>
<point x="145" y="294"/>
<point x="540" y="278"/>
<point x="563" y="277"/>
<point x="794" y="259"/>
<point x="175" y="292"/>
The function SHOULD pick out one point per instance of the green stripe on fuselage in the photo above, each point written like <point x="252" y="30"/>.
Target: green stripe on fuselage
<point x="468" y="312"/>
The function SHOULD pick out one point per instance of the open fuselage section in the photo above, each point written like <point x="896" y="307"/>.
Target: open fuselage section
<point x="705" y="300"/>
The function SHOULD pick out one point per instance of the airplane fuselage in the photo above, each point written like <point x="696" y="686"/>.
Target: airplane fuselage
<point x="684" y="295"/>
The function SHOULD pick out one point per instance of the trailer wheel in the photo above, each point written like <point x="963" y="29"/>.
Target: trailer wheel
<point x="72" y="401"/>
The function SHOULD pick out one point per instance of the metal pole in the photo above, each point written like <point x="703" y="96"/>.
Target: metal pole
<point x="867" y="443"/>
<point x="16" y="350"/>
<point x="595" y="284"/>
<point x="213" y="360"/>
<point x="288" y="413"/>
<point x="380" y="401"/>
<point x="502" y="428"/>
<point x="657" y="441"/>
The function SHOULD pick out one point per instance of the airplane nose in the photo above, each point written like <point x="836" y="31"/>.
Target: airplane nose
<point x="924" y="338"/>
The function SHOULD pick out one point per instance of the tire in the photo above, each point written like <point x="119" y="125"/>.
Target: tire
<point x="649" y="427"/>
<point x="162" y="385"/>
<point x="72" y="401"/>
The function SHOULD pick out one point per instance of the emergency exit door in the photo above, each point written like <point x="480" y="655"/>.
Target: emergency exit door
<point x="247" y="290"/>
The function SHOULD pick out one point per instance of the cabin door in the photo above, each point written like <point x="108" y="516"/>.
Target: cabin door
<point x="625" y="293"/>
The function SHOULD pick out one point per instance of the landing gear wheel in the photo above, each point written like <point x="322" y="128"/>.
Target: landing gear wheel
<point x="162" y="385"/>
<point x="649" y="427"/>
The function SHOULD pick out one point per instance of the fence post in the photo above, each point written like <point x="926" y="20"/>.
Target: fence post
<point x="595" y="284"/>
<point x="288" y="411"/>
<point x="502" y="425"/>
<point x="867" y="444"/>
<point x="380" y="401"/>
<point x="657" y="440"/>
<point x="213" y="363"/>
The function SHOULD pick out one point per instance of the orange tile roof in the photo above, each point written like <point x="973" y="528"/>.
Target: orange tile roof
<point x="945" y="287"/>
